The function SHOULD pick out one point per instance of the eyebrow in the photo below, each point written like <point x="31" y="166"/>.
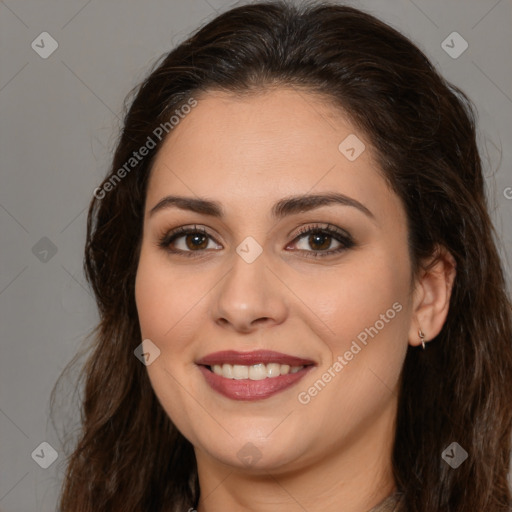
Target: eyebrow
<point x="282" y="208"/>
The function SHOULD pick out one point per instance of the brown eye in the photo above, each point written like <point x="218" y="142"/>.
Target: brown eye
<point x="187" y="241"/>
<point x="196" y="241"/>
<point x="316" y="241"/>
<point x="320" y="241"/>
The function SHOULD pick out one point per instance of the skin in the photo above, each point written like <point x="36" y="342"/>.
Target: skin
<point x="247" y="153"/>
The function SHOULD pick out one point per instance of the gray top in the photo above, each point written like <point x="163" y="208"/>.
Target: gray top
<point x="389" y="504"/>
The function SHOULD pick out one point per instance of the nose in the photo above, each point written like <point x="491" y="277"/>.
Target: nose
<point x="249" y="297"/>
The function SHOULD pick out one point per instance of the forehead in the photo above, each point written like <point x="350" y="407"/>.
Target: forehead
<point x="252" y="150"/>
<point x="280" y="126"/>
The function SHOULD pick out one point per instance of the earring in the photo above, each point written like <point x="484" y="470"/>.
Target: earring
<point x="422" y="338"/>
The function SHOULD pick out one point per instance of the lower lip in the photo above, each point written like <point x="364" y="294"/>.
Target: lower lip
<point x="247" y="389"/>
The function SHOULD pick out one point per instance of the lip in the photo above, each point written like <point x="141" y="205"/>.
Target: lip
<point x="250" y="358"/>
<point x="247" y="389"/>
<point x="250" y="390"/>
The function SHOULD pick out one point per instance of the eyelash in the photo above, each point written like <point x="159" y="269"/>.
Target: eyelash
<point x="340" y="236"/>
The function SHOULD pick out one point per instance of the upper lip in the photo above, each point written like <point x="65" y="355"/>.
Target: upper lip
<point x="251" y="358"/>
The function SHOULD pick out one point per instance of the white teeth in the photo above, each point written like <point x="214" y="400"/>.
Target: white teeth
<point x="285" y="369"/>
<point x="227" y="371"/>
<point x="217" y="369"/>
<point x="258" y="371"/>
<point x="240" y="372"/>
<point x="273" y="370"/>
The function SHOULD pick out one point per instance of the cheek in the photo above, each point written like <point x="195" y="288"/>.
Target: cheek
<point x="150" y="299"/>
<point x="367" y="309"/>
<point x="356" y="296"/>
<point x="368" y="312"/>
<point x="163" y="298"/>
<point x="162" y="311"/>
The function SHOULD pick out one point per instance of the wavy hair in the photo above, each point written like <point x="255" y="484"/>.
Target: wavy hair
<point x="129" y="456"/>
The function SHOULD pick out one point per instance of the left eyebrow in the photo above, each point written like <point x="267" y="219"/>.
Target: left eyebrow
<point x="304" y="203"/>
<point x="282" y="208"/>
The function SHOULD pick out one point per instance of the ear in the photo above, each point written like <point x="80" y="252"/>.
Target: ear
<point x="431" y="297"/>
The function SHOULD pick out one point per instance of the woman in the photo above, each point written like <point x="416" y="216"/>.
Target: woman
<point x="302" y="306"/>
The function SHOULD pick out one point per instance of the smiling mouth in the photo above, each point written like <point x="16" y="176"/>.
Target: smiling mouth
<point x="252" y="375"/>
<point x="258" y="371"/>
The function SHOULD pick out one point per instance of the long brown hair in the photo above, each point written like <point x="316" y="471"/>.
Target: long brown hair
<point x="129" y="455"/>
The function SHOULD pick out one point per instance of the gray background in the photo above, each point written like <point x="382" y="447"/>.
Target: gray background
<point x="60" y="117"/>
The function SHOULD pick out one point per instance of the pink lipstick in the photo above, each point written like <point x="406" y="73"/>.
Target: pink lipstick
<point x="252" y="375"/>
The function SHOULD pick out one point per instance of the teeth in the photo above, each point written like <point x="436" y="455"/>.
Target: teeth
<point x="285" y="369"/>
<point x="258" y="371"/>
<point x="227" y="371"/>
<point x="240" y="372"/>
<point x="274" y="370"/>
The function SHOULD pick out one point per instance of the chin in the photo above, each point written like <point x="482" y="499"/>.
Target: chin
<point x="255" y="452"/>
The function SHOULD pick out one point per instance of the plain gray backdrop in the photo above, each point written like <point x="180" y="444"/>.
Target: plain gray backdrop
<point x="60" y="117"/>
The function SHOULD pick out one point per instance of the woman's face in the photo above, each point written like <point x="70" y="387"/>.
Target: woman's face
<point x="312" y="326"/>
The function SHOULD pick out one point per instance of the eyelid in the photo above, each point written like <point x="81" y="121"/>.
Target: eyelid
<point x="342" y="236"/>
<point x="327" y="227"/>
<point x="167" y="236"/>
